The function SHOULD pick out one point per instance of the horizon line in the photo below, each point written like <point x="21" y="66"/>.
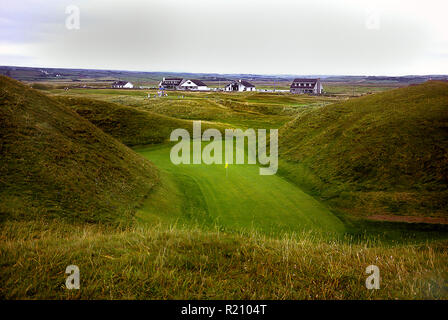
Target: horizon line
<point x="223" y="73"/>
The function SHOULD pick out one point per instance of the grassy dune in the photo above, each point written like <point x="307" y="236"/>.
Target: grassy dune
<point x="132" y="126"/>
<point x="379" y="154"/>
<point x="56" y="163"/>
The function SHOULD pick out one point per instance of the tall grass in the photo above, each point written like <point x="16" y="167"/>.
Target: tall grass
<point x="181" y="262"/>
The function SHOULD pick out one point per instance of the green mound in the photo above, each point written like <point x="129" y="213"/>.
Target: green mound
<point x="56" y="163"/>
<point x="130" y="125"/>
<point x="383" y="153"/>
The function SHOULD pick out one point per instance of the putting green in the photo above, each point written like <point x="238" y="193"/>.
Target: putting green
<point x="239" y="200"/>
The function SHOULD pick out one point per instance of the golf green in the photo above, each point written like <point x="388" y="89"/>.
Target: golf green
<point x="236" y="198"/>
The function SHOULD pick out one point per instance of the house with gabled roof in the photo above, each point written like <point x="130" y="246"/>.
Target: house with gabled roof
<point x="311" y="86"/>
<point x="239" y="85"/>
<point x="183" y="84"/>
<point x="122" y="85"/>
<point x="193" y="84"/>
<point x="170" y="83"/>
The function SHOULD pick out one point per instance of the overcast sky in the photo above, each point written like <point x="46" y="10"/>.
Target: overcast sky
<point x="349" y="37"/>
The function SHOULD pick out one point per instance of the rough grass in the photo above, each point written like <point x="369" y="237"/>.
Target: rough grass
<point x="56" y="163"/>
<point x="158" y="262"/>
<point x="245" y="110"/>
<point x="384" y="153"/>
<point x="130" y="125"/>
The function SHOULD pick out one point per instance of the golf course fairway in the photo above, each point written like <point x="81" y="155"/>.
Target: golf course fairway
<point x="238" y="200"/>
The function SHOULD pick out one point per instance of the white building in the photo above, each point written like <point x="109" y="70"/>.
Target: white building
<point x="193" y="84"/>
<point x="183" y="84"/>
<point x="122" y="85"/>
<point x="313" y="86"/>
<point x="239" y="85"/>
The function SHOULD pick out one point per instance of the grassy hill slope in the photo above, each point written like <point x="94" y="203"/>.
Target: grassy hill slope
<point x="384" y="153"/>
<point x="130" y="125"/>
<point x="56" y="163"/>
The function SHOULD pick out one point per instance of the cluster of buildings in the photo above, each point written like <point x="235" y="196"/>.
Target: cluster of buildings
<point x="298" y="86"/>
<point x="198" y="85"/>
